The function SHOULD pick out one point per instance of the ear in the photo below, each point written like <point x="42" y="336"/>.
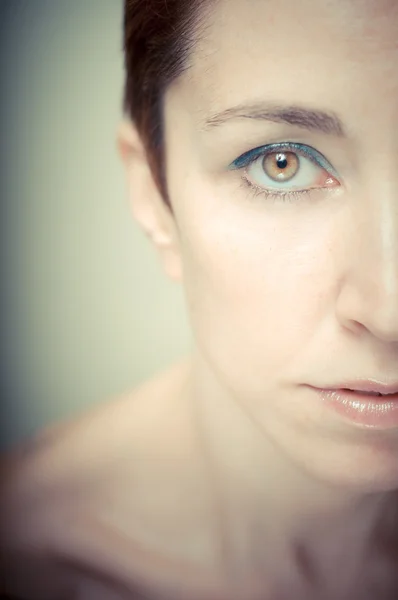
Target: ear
<point x="148" y="206"/>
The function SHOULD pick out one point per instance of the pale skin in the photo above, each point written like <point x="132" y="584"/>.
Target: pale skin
<point x="227" y="468"/>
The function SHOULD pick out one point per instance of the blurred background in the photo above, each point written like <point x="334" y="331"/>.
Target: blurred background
<point x="87" y="312"/>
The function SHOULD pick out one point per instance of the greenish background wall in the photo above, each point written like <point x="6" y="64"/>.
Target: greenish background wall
<point x="86" y="310"/>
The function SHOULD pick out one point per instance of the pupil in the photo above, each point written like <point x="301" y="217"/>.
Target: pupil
<point x="281" y="161"/>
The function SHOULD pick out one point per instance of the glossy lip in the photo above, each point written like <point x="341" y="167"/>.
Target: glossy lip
<point x="368" y="411"/>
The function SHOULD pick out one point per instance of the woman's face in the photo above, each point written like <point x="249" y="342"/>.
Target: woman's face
<point x="293" y="281"/>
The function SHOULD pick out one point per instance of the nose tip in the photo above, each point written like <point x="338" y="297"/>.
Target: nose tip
<point x="384" y="330"/>
<point x="365" y="305"/>
<point x="385" y="326"/>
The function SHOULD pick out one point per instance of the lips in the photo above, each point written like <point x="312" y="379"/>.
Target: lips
<point x="366" y="408"/>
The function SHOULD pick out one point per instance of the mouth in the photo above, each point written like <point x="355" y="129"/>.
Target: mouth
<point x="364" y="408"/>
<point x="374" y="394"/>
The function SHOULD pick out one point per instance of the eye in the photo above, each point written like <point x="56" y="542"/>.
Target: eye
<point x="286" y="168"/>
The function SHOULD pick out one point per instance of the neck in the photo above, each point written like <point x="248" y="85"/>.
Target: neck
<point x="273" y="510"/>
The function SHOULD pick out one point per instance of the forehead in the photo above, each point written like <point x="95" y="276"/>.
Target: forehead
<point x="294" y="51"/>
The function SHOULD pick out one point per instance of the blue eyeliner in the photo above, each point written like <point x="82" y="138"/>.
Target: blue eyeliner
<point x="316" y="157"/>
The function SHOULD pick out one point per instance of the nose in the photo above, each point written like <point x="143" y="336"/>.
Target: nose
<point x="368" y="293"/>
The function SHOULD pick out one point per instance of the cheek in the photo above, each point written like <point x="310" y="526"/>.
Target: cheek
<point x="252" y="281"/>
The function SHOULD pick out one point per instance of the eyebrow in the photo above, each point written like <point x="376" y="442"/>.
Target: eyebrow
<point x="311" y="119"/>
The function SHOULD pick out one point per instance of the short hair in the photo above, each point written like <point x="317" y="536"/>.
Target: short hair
<point x="159" y="36"/>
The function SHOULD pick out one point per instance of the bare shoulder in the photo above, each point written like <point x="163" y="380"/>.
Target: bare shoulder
<point x="65" y="453"/>
<point x="88" y="493"/>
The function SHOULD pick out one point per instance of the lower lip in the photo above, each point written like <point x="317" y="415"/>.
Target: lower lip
<point x="370" y="411"/>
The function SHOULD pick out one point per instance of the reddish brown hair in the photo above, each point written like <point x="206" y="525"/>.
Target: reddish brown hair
<point x="159" y="36"/>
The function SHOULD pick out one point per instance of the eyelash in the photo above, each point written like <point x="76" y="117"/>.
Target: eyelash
<point x="247" y="159"/>
<point x="288" y="196"/>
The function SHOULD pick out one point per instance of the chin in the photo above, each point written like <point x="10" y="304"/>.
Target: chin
<point x="358" y="470"/>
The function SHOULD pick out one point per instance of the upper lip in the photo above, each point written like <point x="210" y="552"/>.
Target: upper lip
<point x="366" y="385"/>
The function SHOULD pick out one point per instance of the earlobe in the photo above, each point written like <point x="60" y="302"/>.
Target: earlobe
<point x="148" y="207"/>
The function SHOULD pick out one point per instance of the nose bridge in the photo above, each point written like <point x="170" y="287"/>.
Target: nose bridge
<point x="374" y="254"/>
<point x="368" y="292"/>
<point x="377" y="202"/>
<point x="388" y="227"/>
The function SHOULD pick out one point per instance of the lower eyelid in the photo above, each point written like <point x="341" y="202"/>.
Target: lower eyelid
<point x="272" y="194"/>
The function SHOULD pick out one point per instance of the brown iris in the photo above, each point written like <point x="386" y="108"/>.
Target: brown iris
<point x="281" y="166"/>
